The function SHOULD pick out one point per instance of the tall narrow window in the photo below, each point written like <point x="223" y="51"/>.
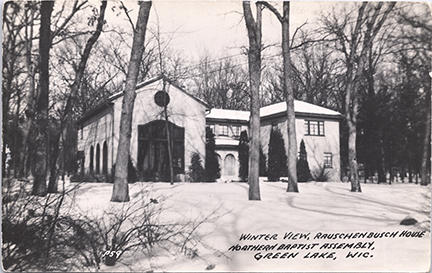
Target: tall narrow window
<point x="91" y="159"/>
<point x="97" y="158"/>
<point x="328" y="160"/>
<point x="314" y="128"/>
<point x="105" y="158"/>
<point x="236" y="130"/>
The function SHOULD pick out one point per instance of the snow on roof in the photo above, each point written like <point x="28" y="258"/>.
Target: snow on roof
<point x="229" y="114"/>
<point x="299" y="107"/>
<point x="220" y="141"/>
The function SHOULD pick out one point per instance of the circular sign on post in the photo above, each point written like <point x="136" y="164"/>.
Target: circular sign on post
<point x="162" y="98"/>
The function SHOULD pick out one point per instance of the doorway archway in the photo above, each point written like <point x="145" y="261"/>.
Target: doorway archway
<point x="153" y="158"/>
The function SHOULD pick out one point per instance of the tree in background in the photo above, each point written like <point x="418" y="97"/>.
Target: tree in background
<point x="414" y="57"/>
<point x="221" y="83"/>
<point x="66" y="121"/>
<point x="354" y="42"/>
<point x="303" y="171"/>
<point x="243" y="154"/>
<point x="277" y="159"/>
<point x="120" y="191"/>
<point x="212" y="169"/>
<point x="196" y="170"/>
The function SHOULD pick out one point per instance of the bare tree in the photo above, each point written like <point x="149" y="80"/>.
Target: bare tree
<point x="289" y="93"/>
<point x="41" y="162"/>
<point x="121" y="189"/>
<point x="30" y="15"/>
<point x="254" y="58"/>
<point x="417" y="49"/>
<point x="66" y="115"/>
<point x="13" y="24"/>
<point x="221" y="83"/>
<point x="354" y="42"/>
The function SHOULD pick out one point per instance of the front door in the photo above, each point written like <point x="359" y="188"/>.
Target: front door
<point x="153" y="154"/>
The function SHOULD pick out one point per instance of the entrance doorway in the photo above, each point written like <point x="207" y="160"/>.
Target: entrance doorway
<point x="229" y="165"/>
<point x="153" y="157"/>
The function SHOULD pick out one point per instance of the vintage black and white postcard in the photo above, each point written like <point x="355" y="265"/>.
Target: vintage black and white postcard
<point x="219" y="136"/>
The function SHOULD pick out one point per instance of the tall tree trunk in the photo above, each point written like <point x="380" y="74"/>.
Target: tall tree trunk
<point x="425" y="175"/>
<point x="254" y="59"/>
<point x="169" y="142"/>
<point x="66" y="119"/>
<point x="357" y="58"/>
<point x="120" y="191"/>
<point x="381" y="160"/>
<point x="289" y="95"/>
<point x="30" y="111"/>
<point x="41" y="161"/>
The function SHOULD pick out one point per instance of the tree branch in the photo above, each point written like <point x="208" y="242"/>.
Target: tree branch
<point x="272" y="9"/>
<point x="127" y="15"/>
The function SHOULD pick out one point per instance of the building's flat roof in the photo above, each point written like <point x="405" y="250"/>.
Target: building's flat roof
<point x="228" y="114"/>
<point x="299" y="107"/>
<point x="225" y="142"/>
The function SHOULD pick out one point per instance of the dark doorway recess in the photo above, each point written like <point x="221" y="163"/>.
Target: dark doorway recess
<point x="153" y="162"/>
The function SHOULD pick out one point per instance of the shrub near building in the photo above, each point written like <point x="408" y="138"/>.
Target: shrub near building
<point x="243" y="151"/>
<point x="196" y="170"/>
<point x="303" y="171"/>
<point x="212" y="169"/>
<point x="277" y="159"/>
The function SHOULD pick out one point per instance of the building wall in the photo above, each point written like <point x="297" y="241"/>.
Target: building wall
<point x="183" y="110"/>
<point x="97" y="130"/>
<point x="227" y="146"/>
<point x="186" y="112"/>
<point x="316" y="146"/>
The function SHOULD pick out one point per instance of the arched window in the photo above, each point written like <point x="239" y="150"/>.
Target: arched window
<point x="91" y="159"/>
<point x="97" y="158"/>
<point x="105" y="158"/>
<point x="219" y="160"/>
<point x="229" y="165"/>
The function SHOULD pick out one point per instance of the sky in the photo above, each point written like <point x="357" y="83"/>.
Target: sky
<point x="217" y="26"/>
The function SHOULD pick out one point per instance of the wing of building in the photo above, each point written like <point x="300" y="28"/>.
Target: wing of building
<point x="187" y="119"/>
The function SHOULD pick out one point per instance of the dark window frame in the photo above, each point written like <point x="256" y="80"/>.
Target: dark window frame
<point x="223" y="132"/>
<point x="328" y="160"/>
<point x="236" y="129"/>
<point x="317" y="127"/>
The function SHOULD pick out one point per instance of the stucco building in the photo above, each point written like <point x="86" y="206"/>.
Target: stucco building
<point x="187" y="119"/>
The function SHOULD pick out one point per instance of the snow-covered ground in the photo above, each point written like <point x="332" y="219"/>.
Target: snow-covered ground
<point x="319" y="209"/>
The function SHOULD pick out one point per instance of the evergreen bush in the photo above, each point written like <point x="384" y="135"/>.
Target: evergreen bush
<point x="303" y="171"/>
<point x="196" y="170"/>
<point x="212" y="169"/>
<point x="277" y="159"/>
<point x="243" y="154"/>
